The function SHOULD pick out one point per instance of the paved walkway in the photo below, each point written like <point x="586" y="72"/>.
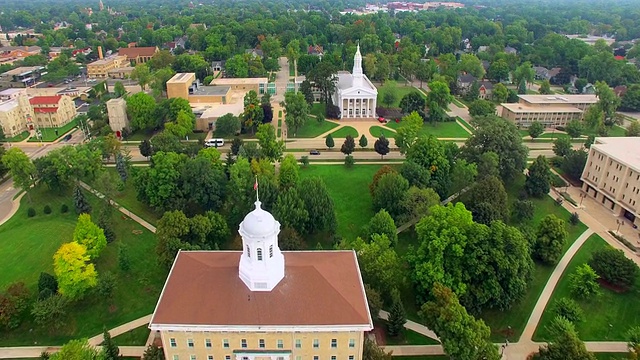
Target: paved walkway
<point x="119" y="330"/>
<point x="414" y="326"/>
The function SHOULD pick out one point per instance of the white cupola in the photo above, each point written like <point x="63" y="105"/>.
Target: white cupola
<point x="357" y="68"/>
<point x="261" y="263"/>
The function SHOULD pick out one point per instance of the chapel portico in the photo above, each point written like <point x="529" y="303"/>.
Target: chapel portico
<point x="355" y="95"/>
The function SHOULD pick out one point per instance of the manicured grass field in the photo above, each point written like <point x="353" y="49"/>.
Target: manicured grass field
<point x="466" y="124"/>
<point x="349" y="189"/>
<point x="135" y="337"/>
<point x="553" y="135"/>
<point x="449" y="129"/>
<point x="127" y="199"/>
<point x="140" y="135"/>
<point x="376" y="131"/>
<point x="613" y="131"/>
<point x="311" y="129"/>
<point x="318" y="109"/>
<point x="49" y="134"/>
<point x="27" y="241"/>
<point x="344" y="131"/>
<point x="401" y="91"/>
<point x="20" y="137"/>
<point x="621" y="310"/>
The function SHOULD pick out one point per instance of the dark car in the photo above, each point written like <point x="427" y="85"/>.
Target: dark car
<point x="314" y="152"/>
<point x="66" y="137"/>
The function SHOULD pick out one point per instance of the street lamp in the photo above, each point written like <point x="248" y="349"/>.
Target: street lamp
<point x="582" y="196"/>
<point x="620" y="223"/>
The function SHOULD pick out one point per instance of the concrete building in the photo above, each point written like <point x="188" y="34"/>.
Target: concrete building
<point x="261" y="303"/>
<point x="185" y="85"/>
<point x="117" y="111"/>
<point x="21" y="77"/>
<point x="138" y="55"/>
<point x="259" y="85"/>
<point x="550" y="110"/>
<point x="612" y="175"/>
<point x="100" y="68"/>
<point x="12" y="93"/>
<point x="14" y="115"/>
<point x="52" y="111"/>
<point x="355" y="95"/>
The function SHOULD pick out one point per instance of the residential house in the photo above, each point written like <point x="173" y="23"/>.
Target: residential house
<point x="138" y="55"/>
<point x="589" y="89"/>
<point x="555" y="76"/>
<point x="485" y="65"/>
<point x="510" y="50"/>
<point x="483" y="48"/>
<point x="217" y="65"/>
<point x="486" y="90"/>
<point x="620" y="90"/>
<point x="316" y="50"/>
<point x="9" y="54"/>
<point x="542" y="73"/>
<point x="255" y="52"/>
<point x="464" y="82"/>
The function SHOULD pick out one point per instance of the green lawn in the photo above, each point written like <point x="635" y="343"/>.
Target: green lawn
<point x="621" y="310"/>
<point x="318" y="109"/>
<point x="611" y="356"/>
<point x="29" y="245"/>
<point x="466" y="124"/>
<point x="376" y="131"/>
<point x="553" y="135"/>
<point x="408" y="337"/>
<point x="20" y="137"/>
<point x="127" y="199"/>
<point x="349" y="189"/>
<point x="140" y="135"/>
<point x="449" y="129"/>
<point x="401" y="91"/>
<point x="613" y="131"/>
<point x="291" y="70"/>
<point x="312" y="128"/>
<point x="344" y="131"/>
<point x="134" y="337"/>
<point x="49" y="134"/>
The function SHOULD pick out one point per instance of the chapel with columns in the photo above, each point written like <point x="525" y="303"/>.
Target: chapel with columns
<point x="262" y="303"/>
<point x="355" y="95"/>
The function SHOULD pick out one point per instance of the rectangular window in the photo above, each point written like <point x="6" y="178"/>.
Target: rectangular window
<point x="172" y="341"/>
<point x="334" y="343"/>
<point x="227" y="357"/>
<point x="176" y="357"/>
<point x="210" y="357"/>
<point x="351" y="357"/>
<point x="280" y="344"/>
<point x="316" y="343"/>
<point x="193" y="357"/>
<point x="315" y="357"/>
<point x="298" y="357"/>
<point x="259" y="254"/>
<point x="190" y="343"/>
<point x="352" y="343"/>
<point x="225" y="343"/>
<point x="207" y="343"/>
<point x="243" y="343"/>
<point x="271" y="251"/>
<point x="261" y="343"/>
<point x="333" y="357"/>
<point x="298" y="343"/>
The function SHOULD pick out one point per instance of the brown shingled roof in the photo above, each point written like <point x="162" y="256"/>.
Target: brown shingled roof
<point x="319" y="288"/>
<point x="134" y="52"/>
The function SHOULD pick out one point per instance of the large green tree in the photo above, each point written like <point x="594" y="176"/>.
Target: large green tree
<point x="270" y="147"/>
<point x="21" y="169"/>
<point x="319" y="205"/>
<point x="550" y="239"/>
<point x="407" y="132"/>
<point x="141" y="109"/>
<point x="296" y="111"/>
<point x="75" y="274"/>
<point x="538" y="178"/>
<point x="90" y="235"/>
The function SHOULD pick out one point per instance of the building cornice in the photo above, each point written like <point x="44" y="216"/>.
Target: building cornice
<point x="259" y="328"/>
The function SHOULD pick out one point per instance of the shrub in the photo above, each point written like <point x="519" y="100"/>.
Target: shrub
<point x="305" y="161"/>
<point x="569" y="309"/>
<point x="349" y="161"/>
<point x="522" y="210"/>
<point x="31" y="212"/>
<point x="64" y="208"/>
<point x="583" y="283"/>
<point x="614" y="267"/>
<point x="47" y="209"/>
<point x="574" y="219"/>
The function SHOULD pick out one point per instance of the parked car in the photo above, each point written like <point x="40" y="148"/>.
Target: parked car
<point x="66" y="137"/>
<point x="314" y="152"/>
<point x="382" y="119"/>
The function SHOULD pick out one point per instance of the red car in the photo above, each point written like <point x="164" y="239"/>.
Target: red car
<point x="382" y="120"/>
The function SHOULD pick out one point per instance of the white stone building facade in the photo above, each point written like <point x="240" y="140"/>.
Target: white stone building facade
<point x="355" y="95"/>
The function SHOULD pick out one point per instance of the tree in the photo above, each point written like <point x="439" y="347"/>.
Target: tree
<point x="545" y="87"/>
<point x="633" y="129"/>
<point x="363" y="141"/>
<point x="470" y="63"/>
<point x="584" y="282"/>
<point x="389" y="93"/>
<point x="319" y="205"/>
<point x="159" y="185"/>
<point x="487" y="200"/>
<point x="124" y="261"/>
<point x="522" y="87"/>
<point x="566" y="344"/>
<point x="417" y="203"/>
<point x="631" y="99"/>
<point x="500" y="93"/>
<point x="389" y="192"/>
<point x="307" y="90"/>
<point x="348" y="146"/>
<point x="252" y="114"/>
<point x="182" y="126"/>
<point x="407" y="132"/>
<point x="290" y="240"/>
<point x="324" y="77"/>
<point x="481" y="107"/>
<point x="536" y="129"/>
<point x="141" y="109"/>
<point x="329" y="142"/>
<point x="608" y="101"/>
<point x="594" y="117"/>
<point x="371" y="351"/>
<point x="385" y="169"/>
<point x="118" y="89"/>
<point x="381" y="146"/>
<point x="270" y="147"/>
<point x="550" y="239"/>
<point x="228" y="125"/>
<point x="21" y="169"/>
<point x="289" y="172"/>
<point x="462" y="336"/>
<point x="562" y="146"/>
<point x="382" y="223"/>
<point x="145" y="148"/>
<point x="501" y="137"/>
<point x="573" y="163"/>
<point x="47" y="283"/>
<point x="524" y="73"/>
<point x="438" y="99"/>
<point x="397" y="316"/>
<point x="568" y="309"/>
<point x="412" y="102"/>
<point x="76" y="350"/>
<point x="498" y="71"/>
<point x="462" y="175"/>
<point x="110" y="350"/>
<point x="614" y="267"/>
<point x="290" y="210"/>
<point x="522" y="210"/>
<point x="381" y="267"/>
<point x="13" y="302"/>
<point x="81" y="204"/>
<point x="374" y="300"/>
<point x="142" y="75"/>
<point x="296" y="110"/>
<point x="50" y="312"/>
<point x="574" y="128"/>
<point x="90" y="236"/>
<point x="153" y="352"/>
<point x="538" y="178"/>
<point x="74" y="272"/>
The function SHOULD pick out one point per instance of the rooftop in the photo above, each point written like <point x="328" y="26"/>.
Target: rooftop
<point x="45" y="100"/>
<point x="134" y="52"/>
<point x="345" y="81"/>
<point x="320" y="288"/>
<point x="12" y="91"/>
<point x="23" y="70"/>
<point x="559" y="99"/>
<point x="8" y="105"/>
<point x="522" y="108"/>
<point x="212" y="90"/>
<point x="624" y="149"/>
<point x="234" y="81"/>
<point x="182" y="78"/>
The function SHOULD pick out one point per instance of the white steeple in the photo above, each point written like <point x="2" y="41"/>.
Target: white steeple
<point x="261" y="263"/>
<point x="357" y="68"/>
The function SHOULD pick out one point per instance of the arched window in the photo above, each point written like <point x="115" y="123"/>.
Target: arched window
<point x="271" y="251"/>
<point x="248" y="251"/>
<point x="259" y="254"/>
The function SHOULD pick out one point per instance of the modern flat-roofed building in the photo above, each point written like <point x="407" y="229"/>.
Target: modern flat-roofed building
<point x="581" y="102"/>
<point x="612" y="175"/>
<point x="101" y="68"/>
<point x="259" y="85"/>
<point x="261" y="303"/>
<point x="21" y="77"/>
<point x="550" y="110"/>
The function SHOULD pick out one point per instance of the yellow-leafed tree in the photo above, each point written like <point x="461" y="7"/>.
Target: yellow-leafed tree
<point x="90" y="235"/>
<point x="73" y="270"/>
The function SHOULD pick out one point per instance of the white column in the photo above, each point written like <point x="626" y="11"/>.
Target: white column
<point x="368" y="104"/>
<point x="373" y="109"/>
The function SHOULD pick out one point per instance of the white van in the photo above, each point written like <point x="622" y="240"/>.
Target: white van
<point x="214" y="142"/>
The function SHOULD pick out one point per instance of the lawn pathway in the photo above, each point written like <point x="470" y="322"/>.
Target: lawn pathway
<point x="413" y="326"/>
